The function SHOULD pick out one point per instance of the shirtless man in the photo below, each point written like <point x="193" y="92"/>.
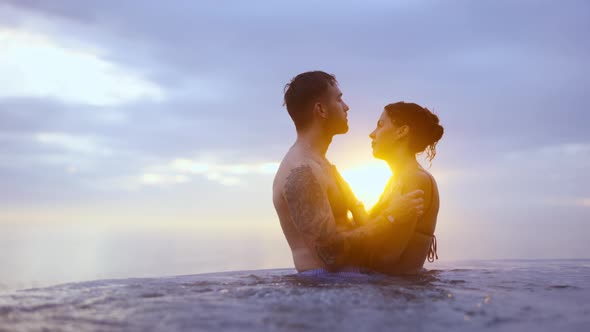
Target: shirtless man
<point x="311" y="198"/>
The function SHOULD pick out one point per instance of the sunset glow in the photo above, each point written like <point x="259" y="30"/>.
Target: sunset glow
<point x="126" y="117"/>
<point x="367" y="180"/>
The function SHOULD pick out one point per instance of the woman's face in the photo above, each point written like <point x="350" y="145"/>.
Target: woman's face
<point x="386" y="137"/>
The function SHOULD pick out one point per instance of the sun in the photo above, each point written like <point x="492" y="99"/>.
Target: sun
<point x="367" y="180"/>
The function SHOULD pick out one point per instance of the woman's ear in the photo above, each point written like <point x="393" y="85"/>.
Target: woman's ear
<point x="402" y="131"/>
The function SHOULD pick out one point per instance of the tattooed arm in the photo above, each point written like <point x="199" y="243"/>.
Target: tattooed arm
<point x="311" y="213"/>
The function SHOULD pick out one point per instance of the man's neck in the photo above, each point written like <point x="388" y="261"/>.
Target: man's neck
<point x="315" y="141"/>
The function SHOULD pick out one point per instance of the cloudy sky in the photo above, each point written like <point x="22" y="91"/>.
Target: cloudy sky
<point x="151" y="114"/>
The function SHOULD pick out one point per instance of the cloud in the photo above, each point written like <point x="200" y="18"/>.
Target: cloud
<point x="33" y="65"/>
<point x="568" y="201"/>
<point x="487" y="82"/>
<point x="501" y="90"/>
<point x="229" y="174"/>
<point x="153" y="179"/>
<point x="573" y="156"/>
<point x="83" y="145"/>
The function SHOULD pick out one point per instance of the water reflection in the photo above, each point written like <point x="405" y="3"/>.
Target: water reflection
<point x="45" y="254"/>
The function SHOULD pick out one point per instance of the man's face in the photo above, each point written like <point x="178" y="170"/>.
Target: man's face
<point x="337" y="111"/>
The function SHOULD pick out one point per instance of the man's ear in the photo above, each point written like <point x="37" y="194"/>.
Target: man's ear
<point x="320" y="110"/>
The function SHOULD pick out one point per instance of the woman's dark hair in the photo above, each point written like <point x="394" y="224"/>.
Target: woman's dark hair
<point x="303" y="90"/>
<point x="425" y="130"/>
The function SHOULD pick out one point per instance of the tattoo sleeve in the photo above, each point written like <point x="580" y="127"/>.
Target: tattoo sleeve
<point x="312" y="215"/>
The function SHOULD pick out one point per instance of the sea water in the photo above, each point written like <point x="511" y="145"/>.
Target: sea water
<point x="515" y="295"/>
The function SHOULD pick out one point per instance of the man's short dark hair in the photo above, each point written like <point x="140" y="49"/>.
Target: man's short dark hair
<point x="303" y="91"/>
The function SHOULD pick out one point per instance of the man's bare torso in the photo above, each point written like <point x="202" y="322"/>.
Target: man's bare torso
<point x="304" y="257"/>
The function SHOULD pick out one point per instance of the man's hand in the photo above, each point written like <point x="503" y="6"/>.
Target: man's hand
<point x="404" y="206"/>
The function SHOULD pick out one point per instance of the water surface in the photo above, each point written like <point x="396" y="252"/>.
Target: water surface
<point x="464" y="296"/>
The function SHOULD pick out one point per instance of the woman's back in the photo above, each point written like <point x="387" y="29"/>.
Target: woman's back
<point x="422" y="242"/>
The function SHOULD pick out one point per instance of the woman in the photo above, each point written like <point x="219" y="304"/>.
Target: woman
<point x="403" y="131"/>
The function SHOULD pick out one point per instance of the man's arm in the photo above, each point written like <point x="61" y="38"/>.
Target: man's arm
<point x="312" y="215"/>
<point x="404" y="226"/>
<point x="401" y="206"/>
<point x="356" y="207"/>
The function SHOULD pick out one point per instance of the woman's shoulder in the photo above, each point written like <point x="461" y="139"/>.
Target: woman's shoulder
<point x="418" y="178"/>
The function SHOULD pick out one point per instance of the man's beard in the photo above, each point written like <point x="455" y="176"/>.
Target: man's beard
<point x="338" y="126"/>
<point x="343" y="128"/>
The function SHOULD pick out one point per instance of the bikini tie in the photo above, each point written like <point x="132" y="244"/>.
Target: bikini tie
<point x="432" y="255"/>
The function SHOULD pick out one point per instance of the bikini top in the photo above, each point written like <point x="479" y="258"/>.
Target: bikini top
<point x="432" y="250"/>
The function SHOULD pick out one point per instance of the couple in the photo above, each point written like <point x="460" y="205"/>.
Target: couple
<point x="313" y="201"/>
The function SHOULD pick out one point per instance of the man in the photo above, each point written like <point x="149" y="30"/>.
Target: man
<point x="310" y="197"/>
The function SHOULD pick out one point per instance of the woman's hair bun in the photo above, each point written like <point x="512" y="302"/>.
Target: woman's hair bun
<point x="424" y="124"/>
<point x="436" y="130"/>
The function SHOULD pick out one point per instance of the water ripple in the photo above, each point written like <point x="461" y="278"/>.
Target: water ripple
<point x="510" y="296"/>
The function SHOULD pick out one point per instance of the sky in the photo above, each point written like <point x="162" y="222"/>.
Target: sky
<point x="145" y="114"/>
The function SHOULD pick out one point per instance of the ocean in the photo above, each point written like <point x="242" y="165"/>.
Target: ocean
<point x="505" y="295"/>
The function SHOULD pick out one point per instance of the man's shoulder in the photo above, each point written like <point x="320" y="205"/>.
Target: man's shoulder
<point x="293" y="169"/>
<point x="297" y="161"/>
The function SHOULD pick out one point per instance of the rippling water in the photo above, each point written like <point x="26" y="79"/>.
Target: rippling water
<point x="466" y="296"/>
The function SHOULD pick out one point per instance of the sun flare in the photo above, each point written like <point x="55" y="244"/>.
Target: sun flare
<point x="367" y="180"/>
